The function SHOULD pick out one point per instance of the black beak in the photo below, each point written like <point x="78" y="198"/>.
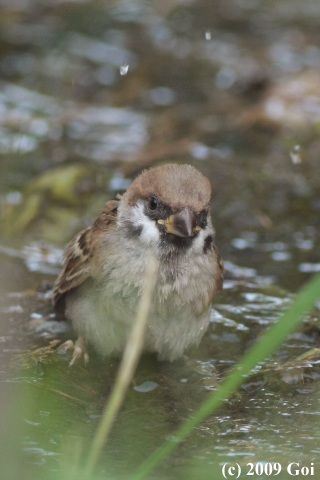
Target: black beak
<point x="182" y="224"/>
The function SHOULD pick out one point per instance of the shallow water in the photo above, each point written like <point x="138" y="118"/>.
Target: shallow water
<point x="91" y="93"/>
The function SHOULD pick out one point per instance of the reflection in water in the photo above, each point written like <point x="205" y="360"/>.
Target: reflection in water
<point x="280" y="389"/>
<point x="124" y="69"/>
<point x="295" y="155"/>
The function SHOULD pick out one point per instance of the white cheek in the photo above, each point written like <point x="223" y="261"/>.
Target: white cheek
<point x="150" y="233"/>
<point x="198" y="243"/>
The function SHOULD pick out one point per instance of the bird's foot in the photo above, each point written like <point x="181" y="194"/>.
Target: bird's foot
<point x="79" y="348"/>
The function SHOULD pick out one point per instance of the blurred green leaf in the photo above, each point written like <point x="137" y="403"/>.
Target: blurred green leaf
<point x="263" y="347"/>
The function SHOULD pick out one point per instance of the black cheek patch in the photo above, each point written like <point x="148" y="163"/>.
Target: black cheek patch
<point x="208" y="243"/>
<point x="132" y="231"/>
<point x="136" y="231"/>
<point x="202" y="218"/>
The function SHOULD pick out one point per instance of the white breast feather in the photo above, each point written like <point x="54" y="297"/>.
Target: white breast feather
<point x="104" y="315"/>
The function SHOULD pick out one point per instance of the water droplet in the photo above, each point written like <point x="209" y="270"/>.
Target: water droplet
<point x="124" y="69"/>
<point x="14" y="198"/>
<point x="280" y="256"/>
<point x="146" y="387"/>
<point x="208" y="35"/>
<point x="309" y="267"/>
<point x="295" y="155"/>
<point x="172" y="438"/>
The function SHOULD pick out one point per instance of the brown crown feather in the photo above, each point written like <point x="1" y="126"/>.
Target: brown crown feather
<point x="175" y="185"/>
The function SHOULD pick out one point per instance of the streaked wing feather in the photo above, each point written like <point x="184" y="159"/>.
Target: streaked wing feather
<point x="218" y="277"/>
<point x="220" y="271"/>
<point x="77" y="265"/>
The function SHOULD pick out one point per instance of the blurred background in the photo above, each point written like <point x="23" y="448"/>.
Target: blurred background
<point x="92" y="92"/>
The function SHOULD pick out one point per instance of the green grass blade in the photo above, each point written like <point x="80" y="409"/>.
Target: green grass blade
<point x="127" y="368"/>
<point x="263" y="347"/>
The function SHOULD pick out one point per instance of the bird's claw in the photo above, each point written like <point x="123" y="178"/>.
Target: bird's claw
<point x="79" y="349"/>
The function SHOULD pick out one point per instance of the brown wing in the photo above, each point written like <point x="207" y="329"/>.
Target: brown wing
<point x="218" y="278"/>
<point x="77" y="256"/>
<point x="219" y="274"/>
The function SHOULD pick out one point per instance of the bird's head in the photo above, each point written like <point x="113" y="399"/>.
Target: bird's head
<point x="167" y="208"/>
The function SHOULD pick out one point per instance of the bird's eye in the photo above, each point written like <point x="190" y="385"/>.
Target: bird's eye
<point x="153" y="203"/>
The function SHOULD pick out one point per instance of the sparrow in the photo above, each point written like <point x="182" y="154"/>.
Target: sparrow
<point x="165" y="212"/>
